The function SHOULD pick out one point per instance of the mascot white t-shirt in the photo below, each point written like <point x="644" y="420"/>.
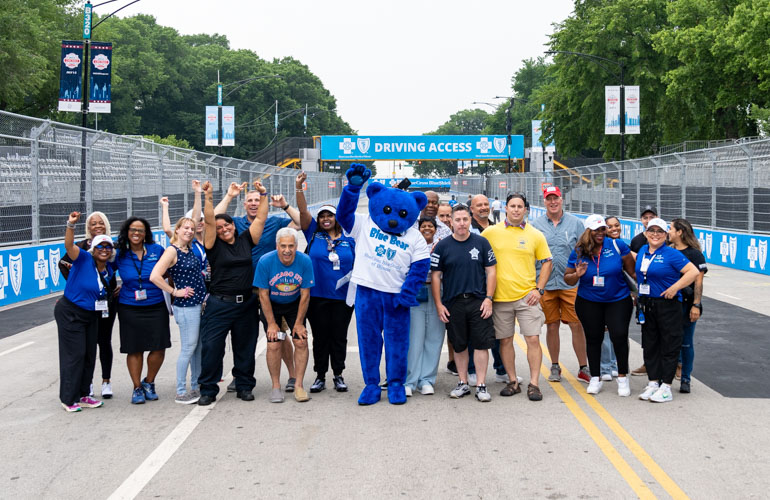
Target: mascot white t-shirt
<point x="383" y="259"/>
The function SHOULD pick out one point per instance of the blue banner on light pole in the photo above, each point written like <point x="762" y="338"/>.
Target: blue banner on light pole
<point x="100" y="86"/>
<point x="420" y="147"/>
<point x="228" y="125"/>
<point x="71" y="76"/>
<point x="212" y="126"/>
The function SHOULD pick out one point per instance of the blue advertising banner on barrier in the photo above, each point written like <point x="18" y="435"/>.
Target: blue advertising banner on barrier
<point x="212" y="126"/>
<point x="420" y="147"/>
<point x="747" y="252"/>
<point x="228" y="125"/>
<point x="100" y="86"/>
<point x="71" y="76"/>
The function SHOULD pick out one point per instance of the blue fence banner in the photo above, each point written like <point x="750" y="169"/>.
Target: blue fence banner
<point x="100" y="85"/>
<point x="420" y="147"/>
<point x="71" y="76"/>
<point x="212" y="126"/>
<point x="228" y="125"/>
<point x="746" y="252"/>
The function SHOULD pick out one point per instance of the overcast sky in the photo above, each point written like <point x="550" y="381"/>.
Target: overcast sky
<point x="395" y="67"/>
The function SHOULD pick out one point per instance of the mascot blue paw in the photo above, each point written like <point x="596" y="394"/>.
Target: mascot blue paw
<point x="371" y="395"/>
<point x="396" y="394"/>
<point x="357" y="174"/>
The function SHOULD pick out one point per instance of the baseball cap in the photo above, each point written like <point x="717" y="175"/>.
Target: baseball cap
<point x="326" y="208"/>
<point x="102" y="238"/>
<point x="657" y="221"/>
<point x="594" y="222"/>
<point x="551" y="190"/>
<point x="649" y="208"/>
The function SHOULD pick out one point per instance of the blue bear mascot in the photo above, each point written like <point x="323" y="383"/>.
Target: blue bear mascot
<point x="392" y="262"/>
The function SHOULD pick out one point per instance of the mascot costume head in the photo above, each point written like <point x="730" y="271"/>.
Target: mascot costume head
<point x="391" y="264"/>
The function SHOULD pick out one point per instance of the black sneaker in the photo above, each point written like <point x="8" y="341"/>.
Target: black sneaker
<point x="318" y="386"/>
<point x="684" y="387"/>
<point x="451" y="367"/>
<point x="231" y="387"/>
<point x="339" y="384"/>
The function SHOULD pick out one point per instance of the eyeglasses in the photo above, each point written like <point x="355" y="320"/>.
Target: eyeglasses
<point x="135" y="230"/>
<point x="656" y="231"/>
<point x="103" y="246"/>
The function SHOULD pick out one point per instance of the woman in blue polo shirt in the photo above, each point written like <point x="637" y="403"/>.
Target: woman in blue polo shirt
<point x="142" y="311"/>
<point x="603" y="297"/>
<point x="661" y="272"/>
<point x="77" y="316"/>
<point x="332" y="255"/>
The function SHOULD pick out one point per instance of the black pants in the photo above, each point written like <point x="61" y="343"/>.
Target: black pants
<point x="104" y="340"/>
<point x="219" y="318"/>
<point x="329" y="321"/>
<point x="661" y="338"/>
<point x="594" y="316"/>
<point x="78" y="330"/>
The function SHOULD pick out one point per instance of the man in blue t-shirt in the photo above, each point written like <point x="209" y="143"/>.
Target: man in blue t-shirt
<point x="265" y="243"/>
<point x="465" y="265"/>
<point x="284" y="278"/>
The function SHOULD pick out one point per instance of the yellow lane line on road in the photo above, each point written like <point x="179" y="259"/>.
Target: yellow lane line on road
<point x="634" y="481"/>
<point x="646" y="460"/>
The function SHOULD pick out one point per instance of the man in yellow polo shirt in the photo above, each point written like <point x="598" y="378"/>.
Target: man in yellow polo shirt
<point x="517" y="246"/>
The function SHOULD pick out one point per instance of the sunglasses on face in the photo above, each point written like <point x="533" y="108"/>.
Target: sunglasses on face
<point x="103" y="246"/>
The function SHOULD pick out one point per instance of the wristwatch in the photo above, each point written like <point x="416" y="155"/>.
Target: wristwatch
<point x="542" y="291"/>
<point x="489" y="297"/>
<point x="699" y="306"/>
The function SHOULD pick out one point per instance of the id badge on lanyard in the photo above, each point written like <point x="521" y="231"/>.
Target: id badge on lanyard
<point x="644" y="287"/>
<point x="101" y="303"/>
<point x="335" y="260"/>
<point x="598" y="280"/>
<point x="140" y="294"/>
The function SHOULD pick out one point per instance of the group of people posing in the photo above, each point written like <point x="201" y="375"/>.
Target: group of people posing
<point x="223" y="274"/>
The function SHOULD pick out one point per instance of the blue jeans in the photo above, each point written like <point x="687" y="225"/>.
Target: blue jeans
<point x="426" y="336"/>
<point x="189" y="321"/>
<point x="497" y="361"/>
<point x="608" y="363"/>
<point x="687" y="355"/>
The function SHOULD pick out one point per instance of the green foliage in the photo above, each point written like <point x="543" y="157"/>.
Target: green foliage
<point x="161" y="80"/>
<point x="171" y="140"/>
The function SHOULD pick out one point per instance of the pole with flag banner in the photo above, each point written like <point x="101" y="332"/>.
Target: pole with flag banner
<point x="71" y="76"/>
<point x="100" y="87"/>
<point x="612" y="110"/>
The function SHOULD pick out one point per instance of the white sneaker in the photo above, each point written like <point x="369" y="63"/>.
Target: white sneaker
<point x="502" y="378"/>
<point x="614" y="374"/>
<point x="482" y="394"/>
<point x="427" y="390"/>
<point x="594" y="386"/>
<point x="408" y="391"/>
<point x="662" y="395"/>
<point x="649" y="391"/>
<point x="624" y="389"/>
<point x="606" y="377"/>
<point x="472" y="379"/>
<point x="91" y="391"/>
<point x="106" y="390"/>
<point x="461" y="390"/>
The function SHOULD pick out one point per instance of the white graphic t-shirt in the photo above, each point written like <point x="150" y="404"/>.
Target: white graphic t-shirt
<point x="383" y="259"/>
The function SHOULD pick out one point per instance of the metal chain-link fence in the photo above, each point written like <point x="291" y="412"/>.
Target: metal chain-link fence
<point x="49" y="169"/>
<point x="724" y="188"/>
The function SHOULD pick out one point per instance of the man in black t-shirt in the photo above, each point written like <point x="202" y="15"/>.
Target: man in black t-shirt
<point x="465" y="265"/>
<point x="640" y="239"/>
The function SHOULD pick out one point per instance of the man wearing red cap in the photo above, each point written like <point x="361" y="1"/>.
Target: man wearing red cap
<point x="562" y="231"/>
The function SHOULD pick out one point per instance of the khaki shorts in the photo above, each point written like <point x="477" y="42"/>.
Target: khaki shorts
<point x="505" y="315"/>
<point x="559" y="305"/>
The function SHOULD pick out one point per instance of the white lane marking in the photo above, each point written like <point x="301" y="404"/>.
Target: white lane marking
<point x="22" y="346"/>
<point x="143" y="474"/>
<point x="728" y="296"/>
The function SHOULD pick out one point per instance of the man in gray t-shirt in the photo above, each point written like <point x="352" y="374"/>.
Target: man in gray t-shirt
<point x="562" y="231"/>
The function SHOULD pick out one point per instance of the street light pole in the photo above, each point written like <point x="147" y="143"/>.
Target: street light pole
<point x="621" y="76"/>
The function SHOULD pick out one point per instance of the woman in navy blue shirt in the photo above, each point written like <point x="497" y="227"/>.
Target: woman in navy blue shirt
<point x="603" y="297"/>
<point x="332" y="255"/>
<point x="142" y="311"/>
<point x="661" y="272"/>
<point x="77" y="316"/>
<point x="188" y="291"/>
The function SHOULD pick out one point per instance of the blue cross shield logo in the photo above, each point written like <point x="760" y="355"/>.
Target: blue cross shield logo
<point x="380" y="250"/>
<point x="391" y="254"/>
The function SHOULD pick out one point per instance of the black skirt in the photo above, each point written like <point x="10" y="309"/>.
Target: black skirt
<point x="143" y="328"/>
